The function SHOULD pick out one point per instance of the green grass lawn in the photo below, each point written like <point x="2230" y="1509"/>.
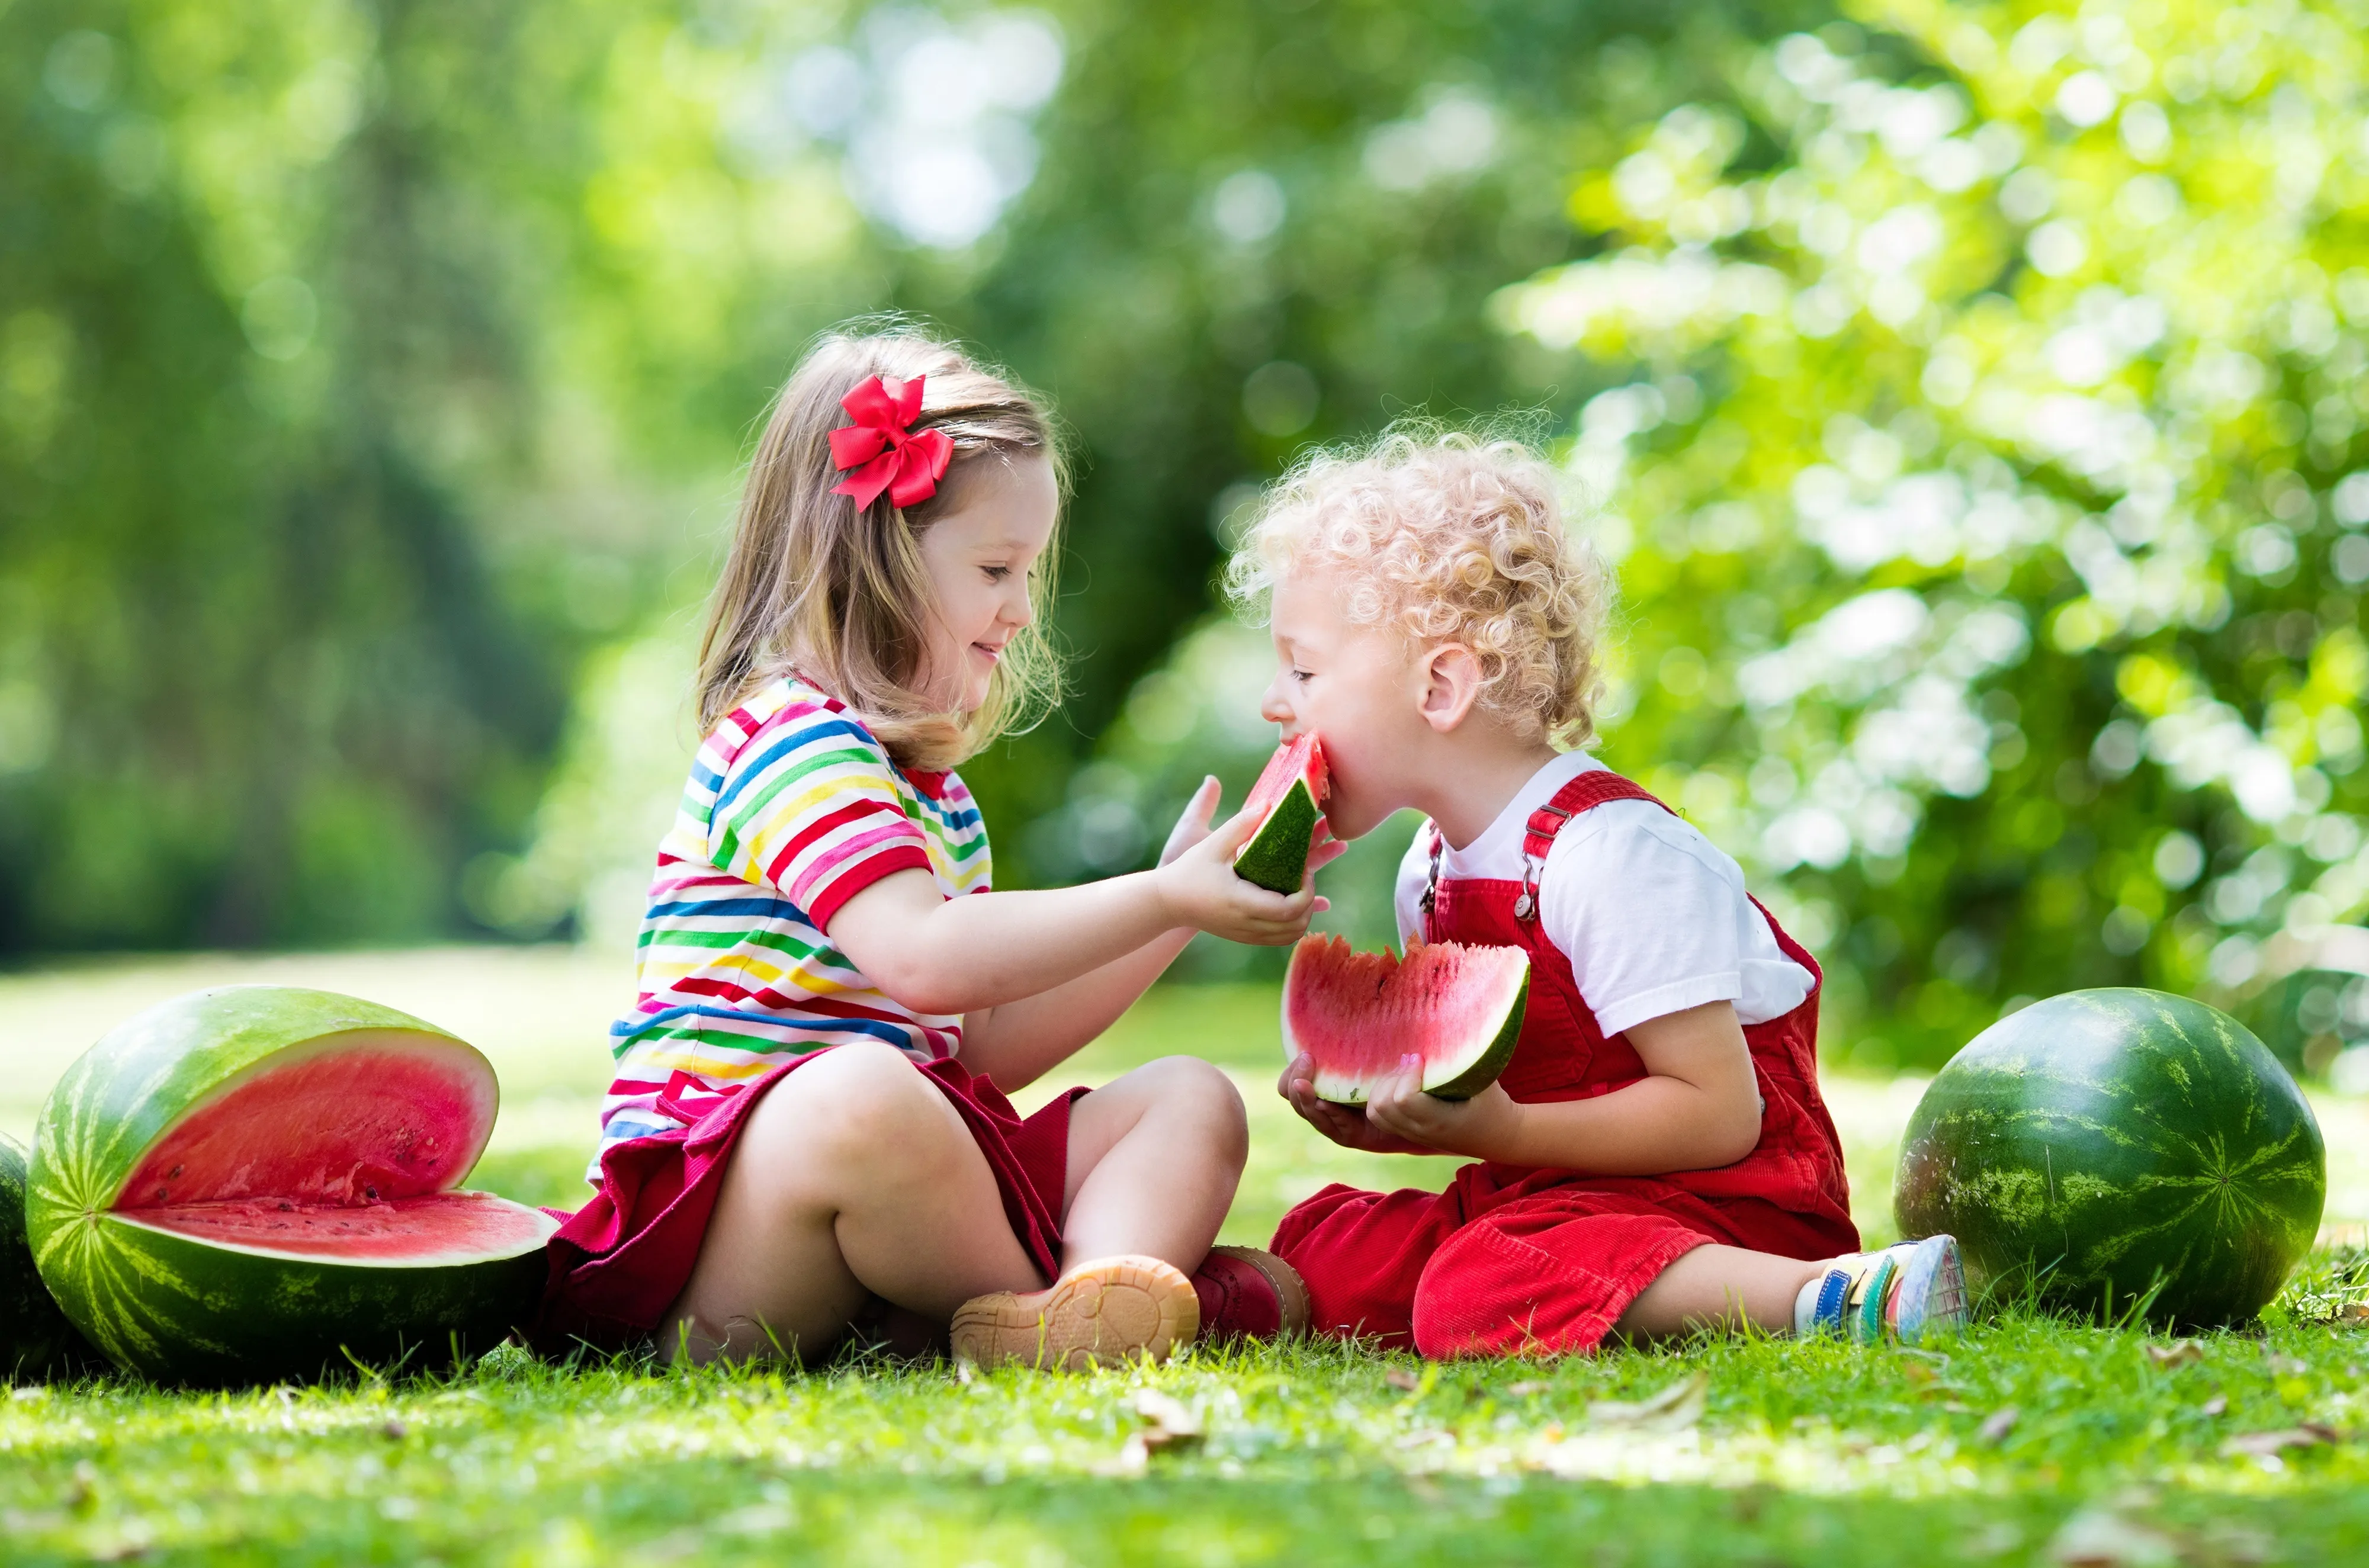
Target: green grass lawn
<point x="2030" y="1441"/>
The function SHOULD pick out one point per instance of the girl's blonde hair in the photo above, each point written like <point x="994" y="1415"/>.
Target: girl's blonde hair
<point x="1447" y="537"/>
<point x="841" y="595"/>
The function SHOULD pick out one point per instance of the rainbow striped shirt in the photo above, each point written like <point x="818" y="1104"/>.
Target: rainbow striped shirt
<point x="792" y="809"/>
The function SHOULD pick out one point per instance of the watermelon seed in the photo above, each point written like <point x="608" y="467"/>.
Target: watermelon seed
<point x="175" y="1174"/>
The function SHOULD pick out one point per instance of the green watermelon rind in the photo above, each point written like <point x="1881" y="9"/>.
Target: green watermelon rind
<point x="179" y="1310"/>
<point x="2121" y="1186"/>
<point x="1484" y="1071"/>
<point x="37" y="1341"/>
<point x="1275" y="857"/>
<point x="125" y="1094"/>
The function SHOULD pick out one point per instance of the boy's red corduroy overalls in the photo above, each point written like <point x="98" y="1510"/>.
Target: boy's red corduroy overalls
<point x="1510" y="1260"/>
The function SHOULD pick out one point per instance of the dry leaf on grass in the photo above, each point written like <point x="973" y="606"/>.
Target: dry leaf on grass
<point x="1524" y="1391"/>
<point x="1167" y="1423"/>
<point x="2096" y="1538"/>
<point x="2179" y="1352"/>
<point x="1998" y="1425"/>
<point x="1400" y="1377"/>
<point x="2217" y="1405"/>
<point x="2305" y="1435"/>
<point x="1679" y="1405"/>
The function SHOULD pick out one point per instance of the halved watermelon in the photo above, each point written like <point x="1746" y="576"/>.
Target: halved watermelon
<point x="249" y="1183"/>
<point x="1288" y="798"/>
<point x="1358" y="1015"/>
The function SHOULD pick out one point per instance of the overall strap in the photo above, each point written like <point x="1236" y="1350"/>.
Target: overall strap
<point x="1589" y="790"/>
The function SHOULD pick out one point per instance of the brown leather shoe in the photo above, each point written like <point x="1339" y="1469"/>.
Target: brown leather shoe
<point x="1098" y="1314"/>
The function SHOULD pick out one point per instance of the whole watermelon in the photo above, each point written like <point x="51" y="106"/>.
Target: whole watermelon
<point x="36" y="1340"/>
<point x="2103" y="1143"/>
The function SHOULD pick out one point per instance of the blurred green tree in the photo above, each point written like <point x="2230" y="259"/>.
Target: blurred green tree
<point x="1987" y="484"/>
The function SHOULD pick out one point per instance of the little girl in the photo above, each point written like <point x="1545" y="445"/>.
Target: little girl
<point x="807" y="1133"/>
<point x="1656" y="1157"/>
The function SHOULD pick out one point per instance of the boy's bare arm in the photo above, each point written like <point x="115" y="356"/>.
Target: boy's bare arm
<point x="1697" y="1108"/>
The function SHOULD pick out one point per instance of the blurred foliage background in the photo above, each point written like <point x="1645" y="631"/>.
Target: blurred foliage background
<point x="1969" y="397"/>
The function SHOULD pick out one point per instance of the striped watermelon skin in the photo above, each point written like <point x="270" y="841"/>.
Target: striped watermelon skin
<point x="2103" y="1143"/>
<point x="176" y="1309"/>
<point x="36" y="1340"/>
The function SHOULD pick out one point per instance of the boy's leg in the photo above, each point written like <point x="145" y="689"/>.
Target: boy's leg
<point x="853" y="1175"/>
<point x="1362" y="1255"/>
<point x="1154" y="1159"/>
<point x="1718" y="1287"/>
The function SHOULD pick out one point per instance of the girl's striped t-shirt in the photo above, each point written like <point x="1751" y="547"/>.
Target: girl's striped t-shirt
<point x="793" y="807"/>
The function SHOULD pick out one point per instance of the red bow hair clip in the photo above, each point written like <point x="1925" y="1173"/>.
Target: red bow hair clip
<point x="883" y="448"/>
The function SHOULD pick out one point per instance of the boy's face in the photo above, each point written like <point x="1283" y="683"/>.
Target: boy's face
<point x="1357" y="687"/>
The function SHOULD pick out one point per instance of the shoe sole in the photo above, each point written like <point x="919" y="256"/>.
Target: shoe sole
<point x="1105" y="1312"/>
<point x="1289" y="1289"/>
<point x="1933" y="1292"/>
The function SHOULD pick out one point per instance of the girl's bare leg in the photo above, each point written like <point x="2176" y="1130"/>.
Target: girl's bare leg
<point x="854" y="1176"/>
<point x="1719" y="1288"/>
<point x="1154" y="1159"/>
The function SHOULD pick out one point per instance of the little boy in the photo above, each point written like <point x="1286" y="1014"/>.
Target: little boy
<point x="1656" y="1158"/>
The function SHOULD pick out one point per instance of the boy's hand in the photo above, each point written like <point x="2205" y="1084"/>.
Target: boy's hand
<point x="1345" y="1125"/>
<point x="1485" y="1126"/>
<point x="1196" y="879"/>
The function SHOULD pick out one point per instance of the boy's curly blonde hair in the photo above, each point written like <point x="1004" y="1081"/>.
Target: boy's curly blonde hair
<point x="1449" y="537"/>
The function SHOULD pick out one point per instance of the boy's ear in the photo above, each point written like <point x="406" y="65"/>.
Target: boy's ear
<point x="1451" y="685"/>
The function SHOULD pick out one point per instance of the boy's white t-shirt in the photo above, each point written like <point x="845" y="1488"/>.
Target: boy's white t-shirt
<point x="1652" y="915"/>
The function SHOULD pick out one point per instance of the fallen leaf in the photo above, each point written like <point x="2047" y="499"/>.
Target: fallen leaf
<point x="1168" y="1424"/>
<point x="1134" y="1457"/>
<point x="966" y="1371"/>
<point x="2097" y="1539"/>
<point x="1524" y="1391"/>
<point x="2179" y="1352"/>
<point x="1679" y="1405"/>
<point x="2217" y="1405"/>
<point x="394" y="1430"/>
<point x="2307" y="1435"/>
<point x="1400" y="1377"/>
<point x="1998" y="1425"/>
<point x="2284" y="1366"/>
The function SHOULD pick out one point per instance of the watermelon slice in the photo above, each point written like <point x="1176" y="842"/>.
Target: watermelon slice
<point x="251" y="1183"/>
<point x="1289" y="799"/>
<point x="2109" y="1147"/>
<point x="1358" y="1014"/>
<point x="36" y="1340"/>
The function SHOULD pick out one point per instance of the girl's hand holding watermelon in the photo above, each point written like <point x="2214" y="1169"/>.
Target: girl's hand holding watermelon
<point x="1197" y="887"/>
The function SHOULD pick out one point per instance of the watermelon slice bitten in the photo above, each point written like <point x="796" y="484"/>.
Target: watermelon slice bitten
<point x="1289" y="800"/>
<point x="1358" y="1015"/>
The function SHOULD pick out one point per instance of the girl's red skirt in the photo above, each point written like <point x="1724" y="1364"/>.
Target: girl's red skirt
<point x="621" y="1260"/>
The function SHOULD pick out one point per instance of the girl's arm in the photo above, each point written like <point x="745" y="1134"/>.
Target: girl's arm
<point x="1019" y="1042"/>
<point x="1697" y="1108"/>
<point x="960" y="955"/>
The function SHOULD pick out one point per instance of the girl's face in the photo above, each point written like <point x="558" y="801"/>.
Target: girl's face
<point x="1357" y="687"/>
<point x="979" y="554"/>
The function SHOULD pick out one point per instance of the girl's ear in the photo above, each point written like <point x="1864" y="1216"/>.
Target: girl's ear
<point x="1451" y="685"/>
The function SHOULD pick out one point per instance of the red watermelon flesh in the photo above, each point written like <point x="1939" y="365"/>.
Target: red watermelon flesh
<point x="432" y="1228"/>
<point x="1357" y="1015"/>
<point x="349" y="1120"/>
<point x="343" y="1149"/>
<point x="1289" y="801"/>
